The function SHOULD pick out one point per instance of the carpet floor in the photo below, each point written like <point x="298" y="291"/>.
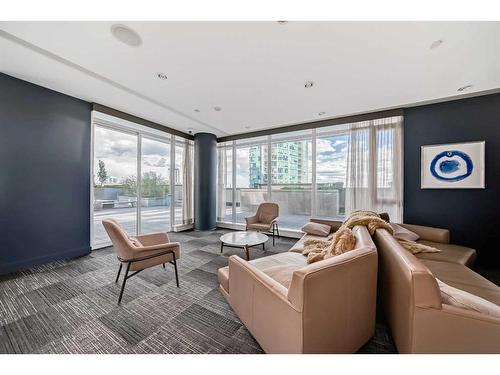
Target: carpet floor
<point x="71" y="306"/>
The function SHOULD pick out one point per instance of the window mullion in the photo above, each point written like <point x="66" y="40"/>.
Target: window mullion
<point x="139" y="181"/>
<point x="233" y="166"/>
<point x="313" y="174"/>
<point x="269" y="170"/>
<point x="172" y="182"/>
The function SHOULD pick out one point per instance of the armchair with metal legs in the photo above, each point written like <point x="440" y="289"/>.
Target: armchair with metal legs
<point x="141" y="252"/>
<point x="265" y="220"/>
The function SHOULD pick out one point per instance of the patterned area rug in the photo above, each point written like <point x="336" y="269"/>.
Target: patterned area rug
<point x="71" y="306"/>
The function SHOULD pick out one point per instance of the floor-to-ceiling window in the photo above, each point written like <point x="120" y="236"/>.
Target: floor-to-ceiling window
<point x="251" y="178"/>
<point x="291" y="177"/>
<point x="138" y="178"/>
<point x="178" y="175"/>
<point x="325" y="172"/>
<point x="115" y="180"/>
<point x="225" y="182"/>
<point x="155" y="192"/>
<point x="331" y="168"/>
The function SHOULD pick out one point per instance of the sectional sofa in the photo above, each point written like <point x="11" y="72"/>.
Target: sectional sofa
<point x="292" y="307"/>
<point x="415" y="298"/>
<point x="329" y="306"/>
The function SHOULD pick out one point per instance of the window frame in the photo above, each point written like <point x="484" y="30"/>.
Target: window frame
<point x="310" y="135"/>
<point x="99" y="119"/>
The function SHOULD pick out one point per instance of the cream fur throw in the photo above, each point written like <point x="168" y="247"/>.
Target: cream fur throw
<point x="343" y="239"/>
<point x="415" y="247"/>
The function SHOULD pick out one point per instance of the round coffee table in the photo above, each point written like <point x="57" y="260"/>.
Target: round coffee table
<point x="243" y="240"/>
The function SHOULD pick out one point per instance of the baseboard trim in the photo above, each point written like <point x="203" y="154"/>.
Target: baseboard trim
<point x="21" y="265"/>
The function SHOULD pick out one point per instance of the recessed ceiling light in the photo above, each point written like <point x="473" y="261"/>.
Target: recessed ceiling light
<point x="282" y="22"/>
<point x="321" y="113"/>
<point x="196" y="110"/>
<point x="126" y="35"/>
<point x="463" y="88"/>
<point x="217" y="109"/>
<point x="161" y="75"/>
<point x="308" y="84"/>
<point x="436" y="43"/>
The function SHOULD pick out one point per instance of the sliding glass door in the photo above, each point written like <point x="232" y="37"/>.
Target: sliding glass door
<point x="115" y="181"/>
<point x="155" y="197"/>
<point x="141" y="178"/>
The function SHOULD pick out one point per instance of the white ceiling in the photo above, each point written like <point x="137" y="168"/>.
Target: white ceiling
<point x="255" y="71"/>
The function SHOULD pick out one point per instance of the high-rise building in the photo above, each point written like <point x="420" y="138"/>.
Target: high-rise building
<point x="289" y="163"/>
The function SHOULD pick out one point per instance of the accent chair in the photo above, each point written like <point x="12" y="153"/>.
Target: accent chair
<point x="141" y="252"/>
<point x="265" y="220"/>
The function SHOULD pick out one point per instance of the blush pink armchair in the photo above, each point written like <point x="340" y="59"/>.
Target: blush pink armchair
<point x="265" y="220"/>
<point x="141" y="252"/>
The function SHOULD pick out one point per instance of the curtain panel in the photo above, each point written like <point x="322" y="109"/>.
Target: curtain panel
<point x="374" y="167"/>
<point x="187" y="184"/>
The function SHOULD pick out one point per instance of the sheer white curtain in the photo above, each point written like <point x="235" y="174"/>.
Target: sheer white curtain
<point x="221" y="185"/>
<point x="374" y="167"/>
<point x="187" y="184"/>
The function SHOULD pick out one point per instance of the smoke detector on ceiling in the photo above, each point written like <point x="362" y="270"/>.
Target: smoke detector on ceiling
<point x="161" y="75"/>
<point x="126" y="35"/>
<point x="308" y="84"/>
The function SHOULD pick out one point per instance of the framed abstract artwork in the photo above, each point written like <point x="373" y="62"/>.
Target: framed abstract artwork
<point x="453" y="166"/>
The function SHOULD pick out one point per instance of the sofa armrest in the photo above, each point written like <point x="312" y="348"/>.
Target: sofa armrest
<point x="261" y="304"/>
<point x="338" y="299"/>
<point x="323" y="277"/>
<point x="429" y="233"/>
<point x="241" y="270"/>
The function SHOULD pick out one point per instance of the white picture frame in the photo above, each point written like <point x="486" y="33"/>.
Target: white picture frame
<point x="453" y="166"/>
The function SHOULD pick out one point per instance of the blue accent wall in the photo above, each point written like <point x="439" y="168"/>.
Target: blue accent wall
<point x="472" y="215"/>
<point x="44" y="175"/>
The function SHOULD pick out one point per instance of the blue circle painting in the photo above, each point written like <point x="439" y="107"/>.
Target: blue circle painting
<point x="451" y="166"/>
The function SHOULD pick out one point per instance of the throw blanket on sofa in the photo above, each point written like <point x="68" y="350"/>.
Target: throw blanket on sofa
<point x="343" y="239"/>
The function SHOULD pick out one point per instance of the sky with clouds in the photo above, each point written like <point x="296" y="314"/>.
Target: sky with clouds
<point x="118" y="151"/>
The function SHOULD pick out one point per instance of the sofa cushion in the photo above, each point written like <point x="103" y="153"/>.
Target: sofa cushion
<point x="317" y="229"/>
<point x="299" y="245"/>
<point x="259" y="227"/>
<point x="464" y="300"/>
<point x="449" y="253"/>
<point x="279" y="260"/>
<point x="282" y="273"/>
<point x="463" y="278"/>
<point x="280" y="267"/>
<point x="223" y="277"/>
<point x="402" y="233"/>
<point x="265" y="217"/>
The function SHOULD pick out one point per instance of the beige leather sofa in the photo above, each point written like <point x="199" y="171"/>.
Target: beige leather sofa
<point x="412" y="302"/>
<point x="440" y="238"/>
<point x="291" y="307"/>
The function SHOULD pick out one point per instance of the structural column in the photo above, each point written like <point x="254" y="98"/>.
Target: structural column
<point x="205" y="181"/>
